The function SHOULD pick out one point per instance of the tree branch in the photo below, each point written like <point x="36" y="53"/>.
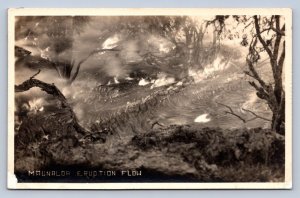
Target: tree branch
<point x="281" y="59"/>
<point x="277" y="40"/>
<point x="261" y="93"/>
<point x="54" y="91"/>
<point x="232" y="112"/>
<point x="255" y="116"/>
<point x="282" y="33"/>
<point x="258" y="33"/>
<point x="48" y="88"/>
<point x="255" y="74"/>
<point x="86" y="58"/>
<point x="35" y="74"/>
<point x="252" y="59"/>
<point x="240" y="117"/>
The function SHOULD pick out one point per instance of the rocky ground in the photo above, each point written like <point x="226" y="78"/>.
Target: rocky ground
<point x="173" y="153"/>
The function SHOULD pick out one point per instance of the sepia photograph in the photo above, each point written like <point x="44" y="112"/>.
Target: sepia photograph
<point x="150" y="98"/>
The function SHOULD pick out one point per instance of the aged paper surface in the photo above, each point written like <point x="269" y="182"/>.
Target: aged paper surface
<point x="150" y="98"/>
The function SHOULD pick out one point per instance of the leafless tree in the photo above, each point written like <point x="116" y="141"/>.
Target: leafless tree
<point x="272" y="92"/>
<point x="55" y="92"/>
<point x="267" y="36"/>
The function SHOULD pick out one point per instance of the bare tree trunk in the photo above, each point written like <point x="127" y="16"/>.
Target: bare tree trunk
<point x="273" y="94"/>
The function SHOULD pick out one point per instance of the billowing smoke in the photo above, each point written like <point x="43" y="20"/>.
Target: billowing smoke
<point x="109" y="67"/>
<point x="113" y="67"/>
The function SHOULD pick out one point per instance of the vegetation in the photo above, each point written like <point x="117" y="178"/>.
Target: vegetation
<point x="135" y="55"/>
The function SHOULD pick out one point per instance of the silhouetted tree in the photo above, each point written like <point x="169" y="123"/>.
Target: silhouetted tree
<point x="267" y="34"/>
<point x="272" y="92"/>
